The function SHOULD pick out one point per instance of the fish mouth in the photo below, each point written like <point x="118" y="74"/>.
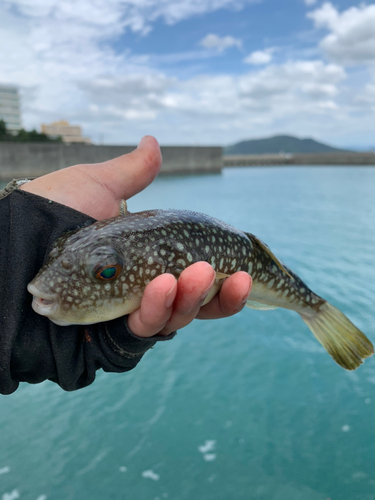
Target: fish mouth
<point x="42" y="304"/>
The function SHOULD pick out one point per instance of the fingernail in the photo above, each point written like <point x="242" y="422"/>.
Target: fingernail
<point x="206" y="291"/>
<point x="244" y="300"/>
<point x="142" y="142"/>
<point x="170" y="296"/>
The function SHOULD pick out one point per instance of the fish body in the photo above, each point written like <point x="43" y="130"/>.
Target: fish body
<point x="99" y="273"/>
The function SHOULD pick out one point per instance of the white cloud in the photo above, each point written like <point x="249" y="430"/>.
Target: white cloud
<point x="212" y="41"/>
<point x="310" y="2"/>
<point x="260" y="57"/>
<point x="137" y="15"/>
<point x="367" y="97"/>
<point x="219" y="108"/>
<point x="351" y="40"/>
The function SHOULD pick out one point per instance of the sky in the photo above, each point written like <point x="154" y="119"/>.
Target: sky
<point x="199" y="72"/>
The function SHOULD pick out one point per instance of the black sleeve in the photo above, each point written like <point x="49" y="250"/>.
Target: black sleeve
<point x="32" y="348"/>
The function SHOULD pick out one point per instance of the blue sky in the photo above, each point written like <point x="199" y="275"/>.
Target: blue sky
<point x="194" y="71"/>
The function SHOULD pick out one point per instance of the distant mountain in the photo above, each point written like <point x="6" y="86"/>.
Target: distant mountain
<point x="278" y="144"/>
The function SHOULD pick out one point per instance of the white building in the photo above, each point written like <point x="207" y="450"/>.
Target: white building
<point x="68" y="133"/>
<point x="10" y="107"/>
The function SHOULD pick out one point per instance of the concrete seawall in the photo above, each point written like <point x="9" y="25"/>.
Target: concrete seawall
<point x="300" y="159"/>
<point x="34" y="159"/>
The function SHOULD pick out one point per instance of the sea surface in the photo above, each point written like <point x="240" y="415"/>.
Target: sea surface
<point x="248" y="407"/>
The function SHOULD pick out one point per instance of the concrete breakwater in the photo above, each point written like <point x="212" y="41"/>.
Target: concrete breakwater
<point x="19" y="160"/>
<point x="300" y="159"/>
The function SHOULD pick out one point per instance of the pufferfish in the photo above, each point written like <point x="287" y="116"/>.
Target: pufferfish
<point x="99" y="273"/>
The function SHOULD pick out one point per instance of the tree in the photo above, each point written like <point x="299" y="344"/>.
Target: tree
<point x="24" y="135"/>
<point x="3" y="131"/>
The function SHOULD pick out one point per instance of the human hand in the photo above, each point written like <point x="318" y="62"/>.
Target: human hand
<point x="97" y="191"/>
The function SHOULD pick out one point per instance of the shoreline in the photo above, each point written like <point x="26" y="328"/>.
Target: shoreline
<point x="339" y="159"/>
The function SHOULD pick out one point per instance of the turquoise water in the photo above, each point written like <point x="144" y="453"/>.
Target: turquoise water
<point x="249" y="407"/>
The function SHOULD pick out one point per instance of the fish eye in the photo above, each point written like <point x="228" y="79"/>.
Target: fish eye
<point x="108" y="273"/>
<point x="104" y="264"/>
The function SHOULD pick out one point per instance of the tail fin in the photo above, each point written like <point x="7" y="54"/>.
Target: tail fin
<point x="347" y="345"/>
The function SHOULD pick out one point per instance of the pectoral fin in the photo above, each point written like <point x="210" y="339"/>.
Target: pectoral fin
<point x="221" y="276"/>
<point x="123" y="208"/>
<point x="260" y="307"/>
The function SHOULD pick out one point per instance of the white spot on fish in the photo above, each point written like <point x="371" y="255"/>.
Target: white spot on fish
<point x="180" y="246"/>
<point x="150" y="261"/>
<point x="189" y="257"/>
<point x="270" y="283"/>
<point x="107" y="286"/>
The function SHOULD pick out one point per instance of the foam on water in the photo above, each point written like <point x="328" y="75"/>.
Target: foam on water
<point x="13" y="495"/>
<point x="209" y="445"/>
<point x="150" y="474"/>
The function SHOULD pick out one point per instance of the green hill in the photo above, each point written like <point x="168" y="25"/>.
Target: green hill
<point x="278" y="144"/>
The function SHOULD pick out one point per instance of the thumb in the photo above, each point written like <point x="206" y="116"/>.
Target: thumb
<point x="129" y="174"/>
